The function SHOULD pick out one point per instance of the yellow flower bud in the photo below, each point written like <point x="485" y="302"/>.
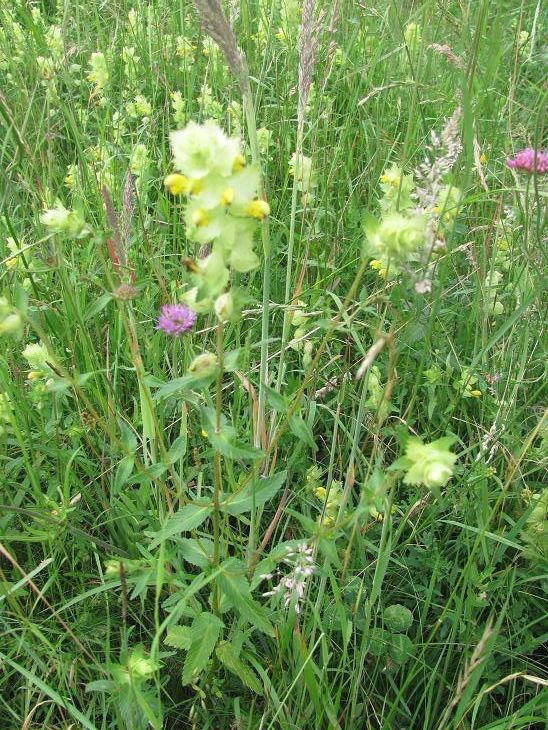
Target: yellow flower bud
<point x="239" y="163"/>
<point x="227" y="198"/>
<point x="178" y="184"/>
<point x="258" y="209"/>
<point x="483" y="158"/>
<point x="200" y="217"/>
<point x="320" y="493"/>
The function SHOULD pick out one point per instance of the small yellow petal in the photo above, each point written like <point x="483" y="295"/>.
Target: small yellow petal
<point x="178" y="184"/>
<point x="239" y="163"/>
<point x="258" y="209"/>
<point x="196" y="187"/>
<point x="200" y="217"/>
<point x="227" y="198"/>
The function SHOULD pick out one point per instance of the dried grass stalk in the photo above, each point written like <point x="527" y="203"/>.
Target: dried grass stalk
<point x="216" y="25"/>
<point x="309" y="41"/>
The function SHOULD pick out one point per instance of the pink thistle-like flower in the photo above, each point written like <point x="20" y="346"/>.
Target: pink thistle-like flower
<point x="529" y="160"/>
<point x="175" y="319"/>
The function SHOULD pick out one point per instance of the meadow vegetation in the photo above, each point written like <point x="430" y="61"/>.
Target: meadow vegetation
<point x="273" y="435"/>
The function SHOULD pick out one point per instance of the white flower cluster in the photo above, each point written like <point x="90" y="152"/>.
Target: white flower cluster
<point x="292" y="586"/>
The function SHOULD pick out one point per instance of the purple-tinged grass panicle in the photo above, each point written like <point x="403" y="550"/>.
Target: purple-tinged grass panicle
<point x="175" y="319"/>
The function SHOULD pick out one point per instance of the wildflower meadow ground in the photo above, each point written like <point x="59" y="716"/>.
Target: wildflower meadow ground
<point x="273" y="431"/>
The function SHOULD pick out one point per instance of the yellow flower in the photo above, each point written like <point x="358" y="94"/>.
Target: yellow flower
<point x="483" y="158"/>
<point x="227" y="198"/>
<point x="98" y="73"/>
<point x="472" y="393"/>
<point x="178" y="184"/>
<point x="377" y="266"/>
<point x="390" y="178"/>
<point x="258" y="209"/>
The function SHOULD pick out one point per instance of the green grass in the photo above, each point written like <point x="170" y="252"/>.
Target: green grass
<point x="118" y="576"/>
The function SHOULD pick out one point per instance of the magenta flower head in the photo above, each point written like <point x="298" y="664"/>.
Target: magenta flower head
<point x="529" y="160"/>
<point x="175" y="319"/>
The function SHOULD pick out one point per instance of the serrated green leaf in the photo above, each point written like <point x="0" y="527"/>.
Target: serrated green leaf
<point x="197" y="552"/>
<point x="256" y="493"/>
<point x="179" y="637"/>
<point x="233" y="582"/>
<point x="188" y="518"/>
<point x="229" y="657"/>
<point x="204" y="634"/>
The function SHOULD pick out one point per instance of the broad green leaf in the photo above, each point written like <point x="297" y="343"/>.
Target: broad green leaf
<point x="329" y="549"/>
<point x="179" y="637"/>
<point x="378" y="641"/>
<point x="233" y="582"/>
<point x="231" y="360"/>
<point x="177" y="449"/>
<point x="397" y="618"/>
<point x="302" y="431"/>
<point x="97" y="306"/>
<point x="188" y="518"/>
<point x="276" y="400"/>
<point x="256" y="493"/>
<point x="223" y="439"/>
<point x="204" y="634"/>
<point x="228" y="656"/>
<point x="401" y="648"/>
<point x="123" y="472"/>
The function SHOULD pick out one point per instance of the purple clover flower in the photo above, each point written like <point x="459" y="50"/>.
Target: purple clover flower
<point x="175" y="319"/>
<point x="529" y="160"/>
